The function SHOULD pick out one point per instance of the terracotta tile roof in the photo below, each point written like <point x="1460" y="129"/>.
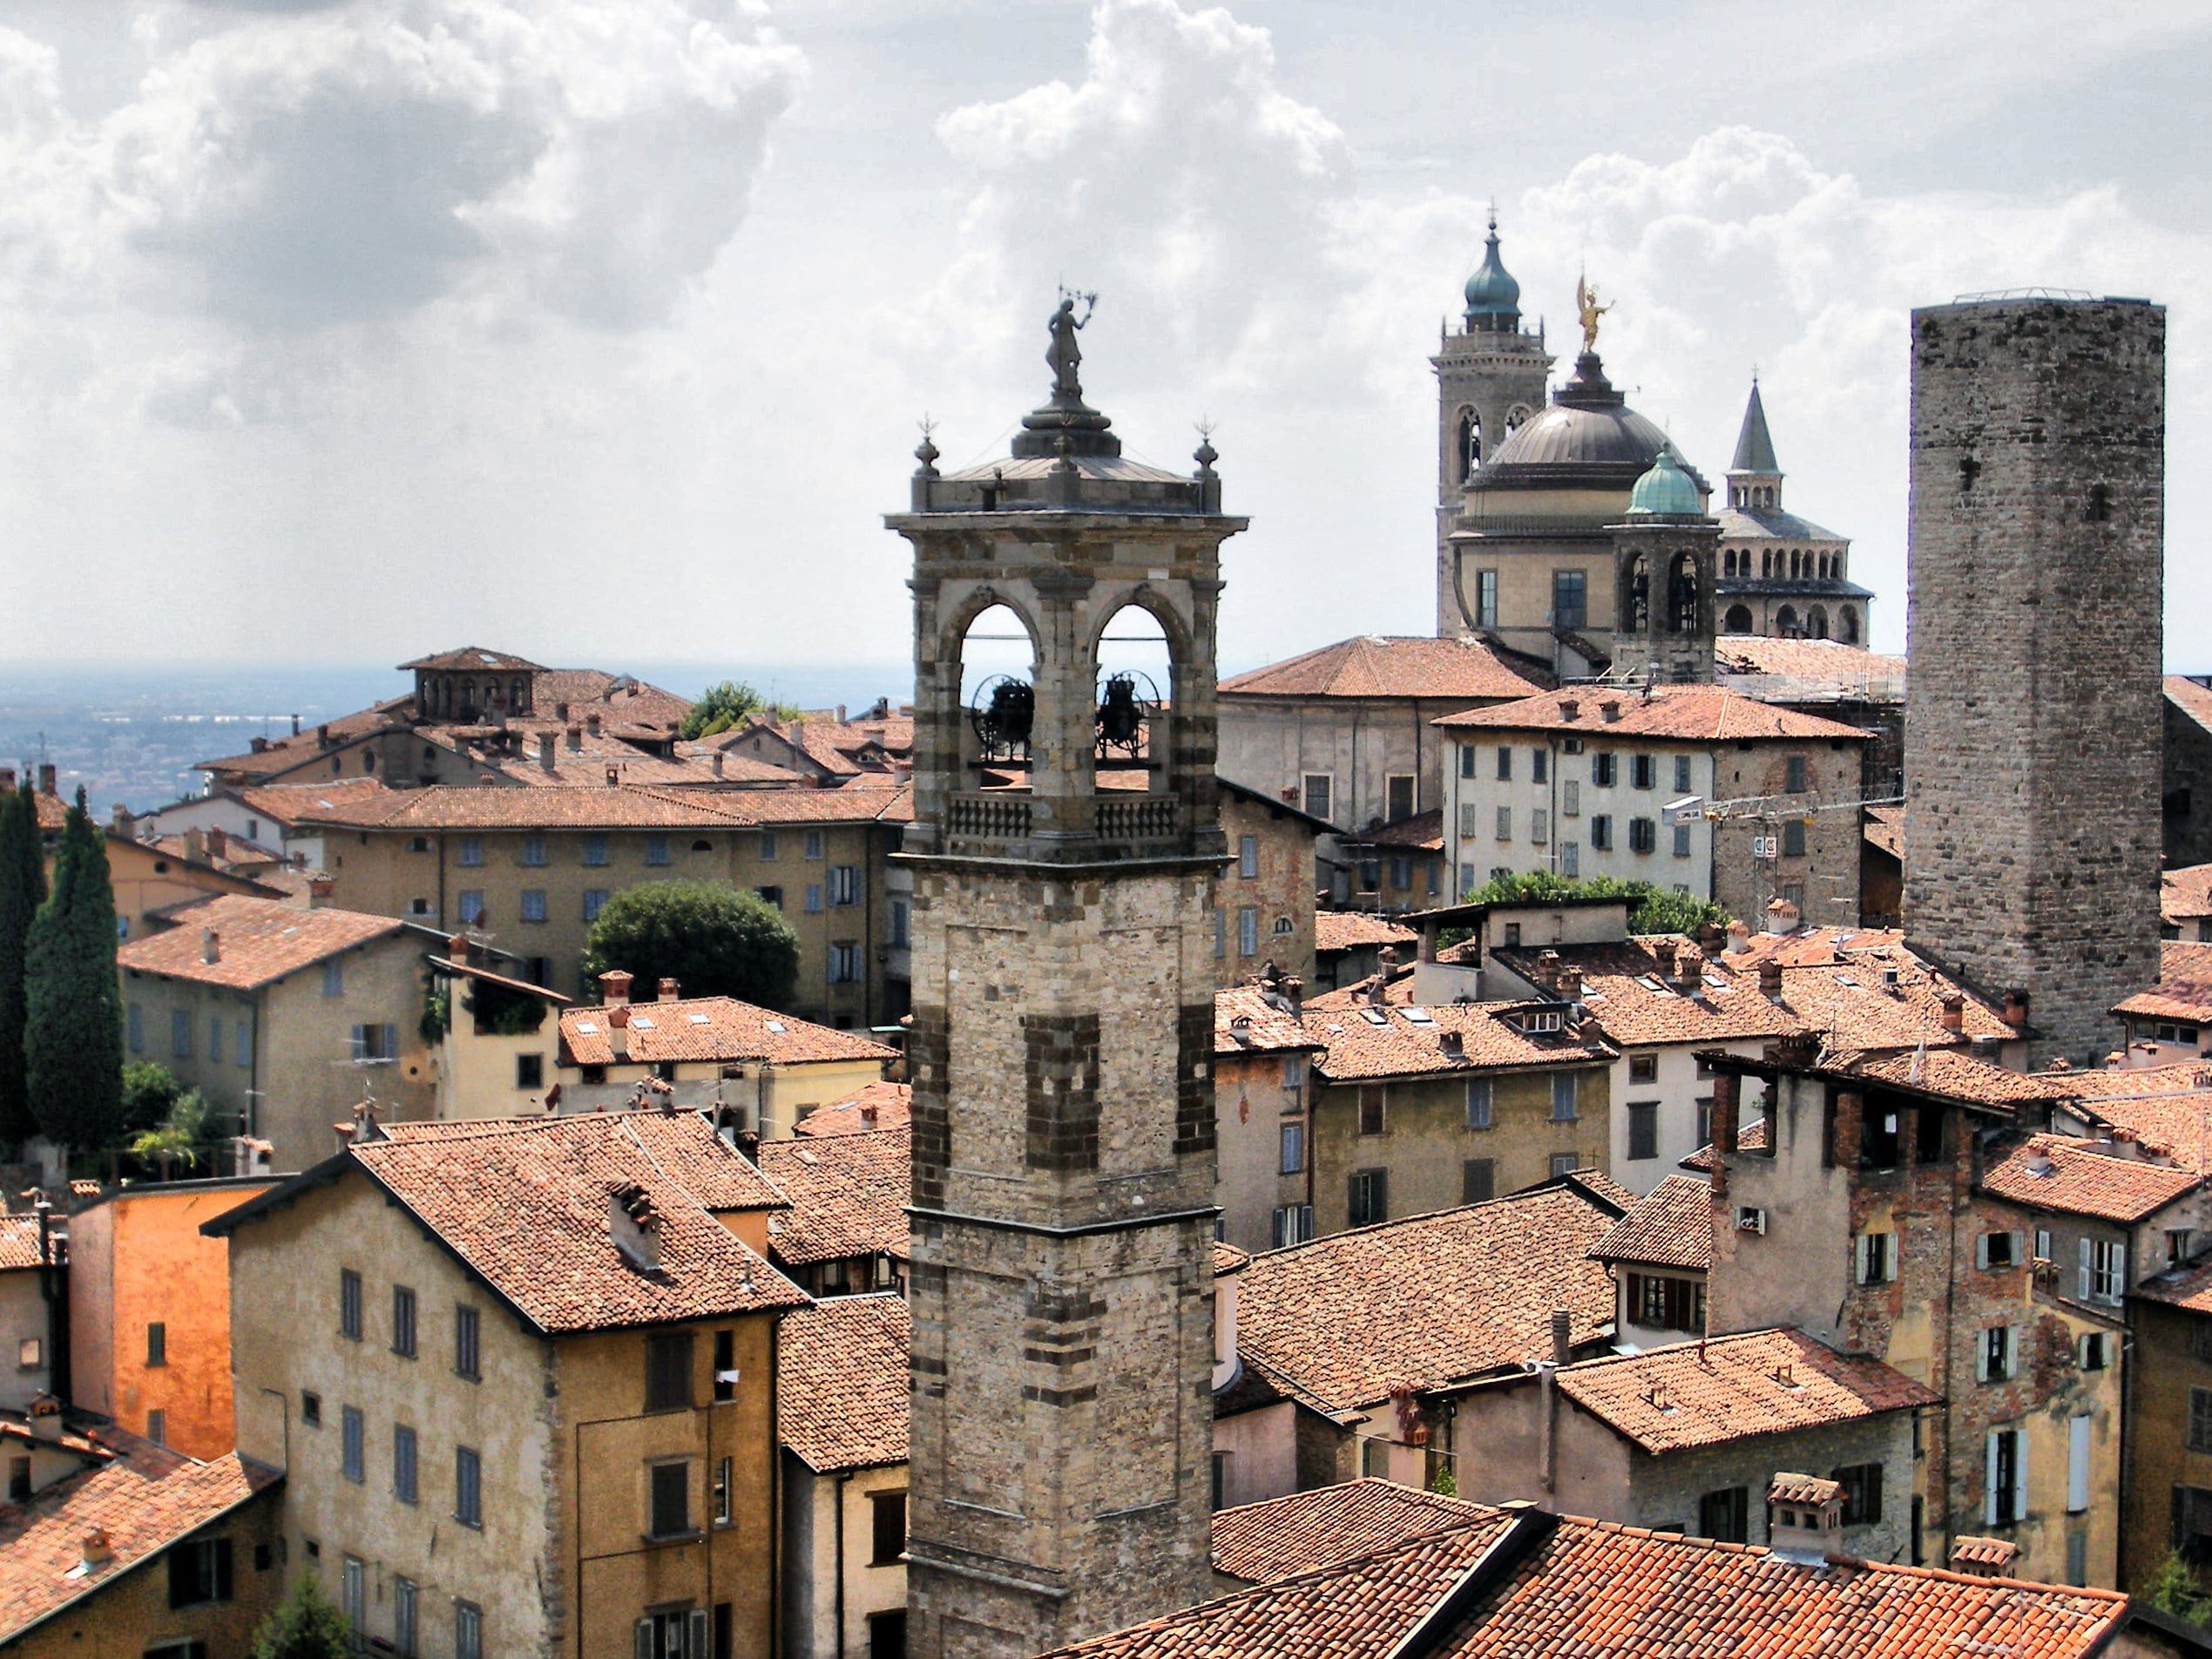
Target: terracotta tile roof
<point x="283" y="754"/>
<point x="258" y="940"/>
<point x="2183" y="990"/>
<point x="618" y="807"/>
<point x="1825" y="664"/>
<point x="2168" y="1109"/>
<point x="1261" y="1542"/>
<point x="2192" y="699"/>
<point x="1353" y="931"/>
<point x="1423" y="832"/>
<point x="1732" y="1388"/>
<point x="2185" y="894"/>
<point x="1691" y="714"/>
<point x="1373" y="666"/>
<point x="19" y="1242"/>
<point x="1971" y="1552"/>
<point x="708" y="1028"/>
<point x="50" y="810"/>
<point x="1753" y="1138"/>
<point x="2075" y="1177"/>
<point x="1631" y="992"/>
<point x="524" y="1202"/>
<point x="870" y="1108"/>
<point x="1957" y="1076"/>
<point x="1850" y="1001"/>
<point x="289" y="805"/>
<point x="2189" y="1287"/>
<point x="1669" y="1226"/>
<point x="473" y="656"/>
<point x="1593" y="1587"/>
<point x="847" y="1194"/>
<point x="1886" y="830"/>
<point x="1432" y="1300"/>
<point x="841" y="1393"/>
<point x="1266" y="1028"/>
<point x="1396" y="1046"/>
<point x="144" y="1499"/>
<point x="1397" y="993"/>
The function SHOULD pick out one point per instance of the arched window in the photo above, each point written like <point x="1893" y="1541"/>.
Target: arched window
<point x="1847" y="623"/>
<point x="1766" y="561"/>
<point x="1681" y="594"/>
<point x="1470" y="443"/>
<point x="1796" y="564"/>
<point x="1738" y="620"/>
<point x="999" y="686"/>
<point x="1514" y="421"/>
<point x="1135" y="682"/>
<point x="1785" y="622"/>
<point x="1816" y="623"/>
<point x="1635" y="596"/>
<point x="518" y="695"/>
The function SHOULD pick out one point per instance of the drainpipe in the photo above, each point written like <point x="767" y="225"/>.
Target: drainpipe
<point x="1562" y="1342"/>
<point x="837" y="1530"/>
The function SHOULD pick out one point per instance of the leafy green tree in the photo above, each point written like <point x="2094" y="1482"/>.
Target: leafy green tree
<point x="150" y="1093"/>
<point x="713" y="940"/>
<point x="2173" y="1588"/>
<point x="1653" y="909"/>
<point x="22" y="888"/>
<point x="181" y="1137"/>
<point x="720" y="707"/>
<point x="73" y="1040"/>
<point x="307" y="1625"/>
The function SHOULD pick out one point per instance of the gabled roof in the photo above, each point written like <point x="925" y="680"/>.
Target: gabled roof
<point x="1413" y="1042"/>
<point x="840" y="1383"/>
<point x="2183" y="990"/>
<point x="1261" y="1542"/>
<point x="847" y="1194"/>
<point x="473" y="656"/>
<point x="1684" y="713"/>
<point x="1356" y="930"/>
<point x="868" y="1108"/>
<point x="522" y="1203"/>
<point x="1669" y="1226"/>
<point x="2077" y="1177"/>
<point x="1374" y="666"/>
<point x="1695" y="1394"/>
<point x="258" y="940"/>
<point x="1754" y="448"/>
<point x="1265" y="1029"/>
<point x="1423" y="832"/>
<point x="707" y="1028"/>
<point x="2191" y="698"/>
<point x="2185" y="895"/>
<point x="1432" y="1300"/>
<point x="560" y="806"/>
<point x="145" y="1497"/>
<point x="1634" y="997"/>
<point x="1815" y="665"/>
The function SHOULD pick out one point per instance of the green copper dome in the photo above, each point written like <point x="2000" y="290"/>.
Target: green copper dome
<point x="1491" y="291"/>
<point x="1665" y="489"/>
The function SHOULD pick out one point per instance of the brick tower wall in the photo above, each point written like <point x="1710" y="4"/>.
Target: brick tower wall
<point x="2035" y="634"/>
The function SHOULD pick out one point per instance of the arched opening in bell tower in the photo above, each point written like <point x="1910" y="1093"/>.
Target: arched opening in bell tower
<point x="997" y="680"/>
<point x="1681" y="594"/>
<point x="1469" y="448"/>
<point x="1135" y="673"/>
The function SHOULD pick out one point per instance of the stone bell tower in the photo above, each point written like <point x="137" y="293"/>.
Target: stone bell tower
<point x="1064" y="1159"/>
<point x="1664" y="559"/>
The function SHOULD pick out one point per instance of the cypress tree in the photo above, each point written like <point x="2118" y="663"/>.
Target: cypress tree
<point x="22" y="888"/>
<point x="74" y="1032"/>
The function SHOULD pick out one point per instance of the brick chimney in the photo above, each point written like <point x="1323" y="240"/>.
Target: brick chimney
<point x="592" y="721"/>
<point x="1770" y="979"/>
<point x="633" y="1226"/>
<point x="1570" y="708"/>
<point x="668" y="991"/>
<point x="1727" y="1088"/>
<point x="1783" y="917"/>
<point x="715" y="760"/>
<point x="2016" y="1006"/>
<point x="614" y="987"/>
<point x="1662" y="951"/>
<point x="211" y="946"/>
<point x="547" y="746"/>
<point x="322" y="736"/>
<point x="1690" y="971"/>
<point x="1954" y="1011"/>
<point x="319" y="889"/>
<point x="218" y="841"/>
<point x="575" y="735"/>
<point x="95" y="1551"/>
<point x="196" y="846"/>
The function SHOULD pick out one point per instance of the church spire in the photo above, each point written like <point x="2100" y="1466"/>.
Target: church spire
<point x="1754" y="448"/>
<point x="1493" y="297"/>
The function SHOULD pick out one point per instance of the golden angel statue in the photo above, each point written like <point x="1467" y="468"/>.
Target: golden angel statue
<point x="1585" y="303"/>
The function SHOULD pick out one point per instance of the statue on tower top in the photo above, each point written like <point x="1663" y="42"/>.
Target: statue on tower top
<point x="1065" y="356"/>
<point x="1586" y="304"/>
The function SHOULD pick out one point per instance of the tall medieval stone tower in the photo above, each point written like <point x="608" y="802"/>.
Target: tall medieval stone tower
<point x="1490" y="376"/>
<point x="2035" y="636"/>
<point x="1064" y="1157"/>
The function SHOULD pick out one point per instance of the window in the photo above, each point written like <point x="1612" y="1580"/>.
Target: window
<point x="215" y="1038"/>
<point x="403" y="1463"/>
<point x="2200" y="1419"/>
<point x="1247" y="930"/>
<point x="1682" y="840"/>
<point x="1643" y="772"/>
<point x="1469" y="821"/>
<point x="1371" y="1109"/>
<point x="403" y="1321"/>
<point x="844" y="884"/>
<point x="2091" y="1351"/>
<point x="1466" y="759"/>
<point x="1643" y="1130"/>
<point x="1601" y="831"/>
<point x="350" y="1305"/>
<point x="1570" y="797"/>
<point x="465" y="1329"/>
<point x="2004" y="1501"/>
<point x="468" y="1631"/>
<point x="1875" y="1258"/>
<point x="533" y="905"/>
<point x="888" y="1530"/>
<point x="468" y="1487"/>
<point x="1793" y="838"/>
<point x="1570" y="858"/>
<point x="1862" y="1484"/>
<point x="594" y="902"/>
<point x="844" y="963"/>
<point x="31" y="1353"/>
<point x="1604" y="768"/>
<point x="773" y="895"/>
<point x="1504" y="823"/>
<point x="1539" y="765"/>
<point x="1293" y="1149"/>
<point x="200" y="1572"/>
<point x="1643" y="1068"/>
<point x="1367" y="1198"/>
<point x="179" y="1034"/>
<point x="1570" y="599"/>
<point x="670" y="1490"/>
<point x="1221" y="935"/>
<point x="1375" y="1457"/>
<point x="1398" y="795"/>
<point x="1996" y="1354"/>
<point x="595" y="850"/>
<point x="1643" y="835"/>
<point x="668" y="1371"/>
<point x="157" y="1343"/>
<point x="405" y="1640"/>
<point x="1485" y="598"/>
<point x="353" y="1450"/>
<point x="158" y="1426"/>
<point x="1661" y="1303"/>
<point x="1477" y="1181"/>
<point x="1318" y="787"/>
<point x="1563" y="1097"/>
<point x="1725" y="1515"/>
<point x="376" y="1042"/>
<point x="469" y="906"/>
<point x="1682" y="785"/>
<point x="1248" y="857"/>
<point x="1795" y="773"/>
<point x="1293" y="1224"/>
<point x="726" y="1365"/>
<point x="530" y="1071"/>
<point x="310" y="1409"/>
<point x="1401" y="870"/>
<point x="1565" y="1163"/>
<point x="1998" y="1250"/>
<point x="1505" y="763"/>
<point x="810" y="844"/>
<point x="813" y="900"/>
<point x="470" y="852"/>
<point x="2102" y="1272"/>
<point x="902" y="925"/>
<point x="533" y="850"/>
<point x="656" y="850"/>
<point x="723" y="1499"/>
<point x="1540" y="825"/>
<point x="1478" y="1103"/>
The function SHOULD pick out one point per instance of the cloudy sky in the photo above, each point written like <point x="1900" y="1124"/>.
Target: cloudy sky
<point x="598" y="332"/>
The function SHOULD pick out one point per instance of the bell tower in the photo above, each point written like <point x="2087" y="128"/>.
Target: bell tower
<point x="1065" y="849"/>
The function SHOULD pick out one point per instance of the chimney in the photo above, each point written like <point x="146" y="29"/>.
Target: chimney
<point x="547" y="745"/>
<point x="457" y="948"/>
<point x="592" y="721"/>
<point x="634" y="1226"/>
<point x="560" y="713"/>
<point x="1770" y="979"/>
<point x="1294" y="992"/>
<point x="218" y="841"/>
<point x="322" y="736"/>
<point x="1562" y="1337"/>
<point x="1546" y="973"/>
<point x="120" y="823"/>
<point x="259" y="745"/>
<point x="2016" y="1006"/>
<point x="211" y="946"/>
<point x="1570" y="708"/>
<point x="45" y="777"/>
<point x="868" y="1112"/>
<point x="1783" y="917"/>
<point x="1568" y="983"/>
<point x="1727" y="1087"/>
<point x="95" y="1551"/>
<point x="1851" y="1111"/>
<point x="1984" y="1557"/>
<point x="715" y="760"/>
<point x="1805" y="1522"/>
<point x="614" y="987"/>
<point x="319" y="889"/>
<point x="45" y="1415"/>
<point x="1609" y="710"/>
<point x="196" y="846"/>
<point x="296" y="725"/>
<point x="1690" y="971"/>
<point x="668" y="991"/>
<point x="575" y="734"/>
<point x="618" y="1030"/>
<point x="1954" y="1011"/>
<point x="1662" y="951"/>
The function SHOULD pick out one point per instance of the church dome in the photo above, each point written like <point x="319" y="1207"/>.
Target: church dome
<point x="1665" y="490"/>
<point x="1492" y="291"/>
